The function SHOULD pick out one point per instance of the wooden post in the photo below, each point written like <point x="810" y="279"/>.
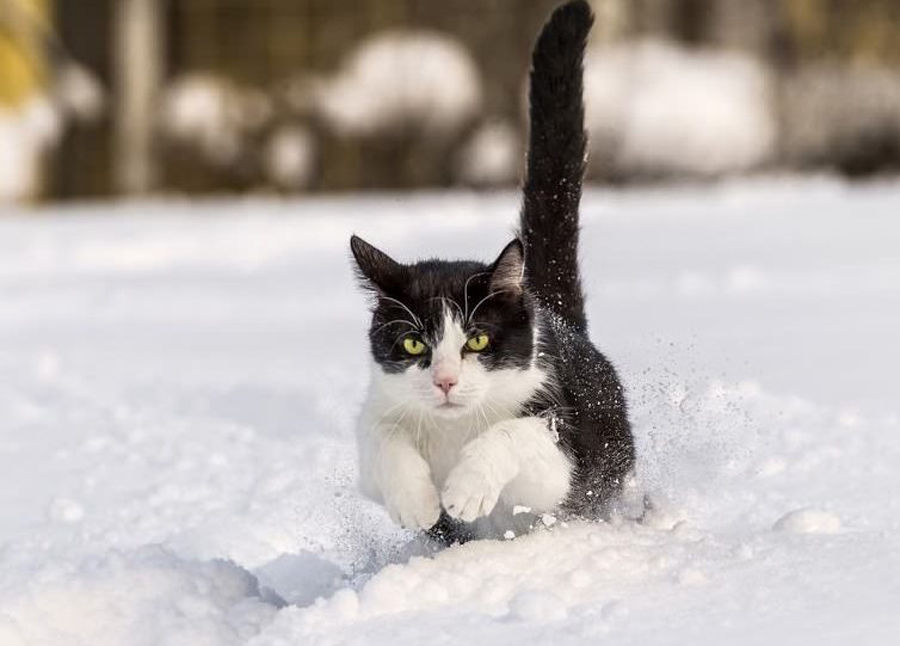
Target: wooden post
<point x="138" y="48"/>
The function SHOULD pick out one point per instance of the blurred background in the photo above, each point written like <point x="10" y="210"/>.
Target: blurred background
<point x="100" y="98"/>
<point x="183" y="344"/>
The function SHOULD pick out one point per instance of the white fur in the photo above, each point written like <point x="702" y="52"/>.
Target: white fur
<point x="415" y="440"/>
<point x="516" y="460"/>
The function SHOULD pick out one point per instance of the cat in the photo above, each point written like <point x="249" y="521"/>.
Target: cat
<point x="486" y="392"/>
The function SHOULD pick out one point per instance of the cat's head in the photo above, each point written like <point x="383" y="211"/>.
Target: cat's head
<point x="451" y="337"/>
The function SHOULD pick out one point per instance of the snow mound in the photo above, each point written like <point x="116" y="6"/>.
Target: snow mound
<point x="396" y="79"/>
<point x="80" y="93"/>
<point x="212" y="114"/>
<point x="26" y="133"/>
<point x="808" y="521"/>
<point x="143" y="598"/>
<point x="290" y="156"/>
<point x="535" y="580"/>
<point x="492" y="156"/>
<point x="653" y="107"/>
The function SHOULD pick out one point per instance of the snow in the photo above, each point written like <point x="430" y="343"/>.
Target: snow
<point x="179" y="382"/>
<point x="400" y="78"/>
<point x="79" y="93"/>
<point x="26" y="133"/>
<point x="290" y="157"/>
<point x="30" y="129"/>
<point x="492" y="156"/>
<point x="808" y="521"/>
<point x="213" y="114"/>
<point x="655" y="107"/>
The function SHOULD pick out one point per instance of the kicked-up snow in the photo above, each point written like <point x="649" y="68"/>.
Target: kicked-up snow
<point x="179" y="382"/>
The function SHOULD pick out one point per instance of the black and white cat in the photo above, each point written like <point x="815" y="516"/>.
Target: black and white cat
<point x="486" y="391"/>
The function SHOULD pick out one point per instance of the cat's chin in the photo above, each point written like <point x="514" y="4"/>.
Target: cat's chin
<point x="449" y="410"/>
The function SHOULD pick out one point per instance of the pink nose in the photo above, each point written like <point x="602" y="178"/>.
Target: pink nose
<point x="445" y="383"/>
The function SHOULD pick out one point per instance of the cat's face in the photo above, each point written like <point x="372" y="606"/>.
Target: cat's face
<point x="450" y="338"/>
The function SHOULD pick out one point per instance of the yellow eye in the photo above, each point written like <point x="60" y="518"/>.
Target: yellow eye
<point x="413" y="346"/>
<point x="477" y="343"/>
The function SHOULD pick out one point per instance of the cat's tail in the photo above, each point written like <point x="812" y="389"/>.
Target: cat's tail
<point x="556" y="160"/>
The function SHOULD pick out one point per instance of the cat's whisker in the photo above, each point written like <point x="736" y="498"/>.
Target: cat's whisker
<point x="418" y="432"/>
<point x="492" y="408"/>
<point x="485" y="325"/>
<point x="466" y="292"/>
<point x="391" y="410"/>
<point x="408" y="311"/>
<point x="398" y="424"/>
<point x="494" y="293"/>
<point x="397" y="340"/>
<point x="395" y="321"/>
<point x="487" y="422"/>
<point x="433" y="422"/>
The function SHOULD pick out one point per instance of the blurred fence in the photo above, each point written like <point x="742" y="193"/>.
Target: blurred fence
<point x="235" y="95"/>
<point x="251" y="54"/>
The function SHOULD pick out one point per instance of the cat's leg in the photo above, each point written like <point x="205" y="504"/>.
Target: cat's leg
<point x="399" y="475"/>
<point x="517" y="459"/>
<point x="449" y="531"/>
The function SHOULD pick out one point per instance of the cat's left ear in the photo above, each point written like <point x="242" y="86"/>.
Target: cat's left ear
<point x="508" y="271"/>
<point x="377" y="269"/>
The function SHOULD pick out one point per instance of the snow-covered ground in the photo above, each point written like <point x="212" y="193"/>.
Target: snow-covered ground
<point x="178" y="385"/>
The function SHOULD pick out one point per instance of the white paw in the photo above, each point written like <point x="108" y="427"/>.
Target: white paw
<point x="415" y="506"/>
<point x="470" y="492"/>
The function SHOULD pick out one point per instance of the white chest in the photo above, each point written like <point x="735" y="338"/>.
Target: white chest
<point x="441" y="446"/>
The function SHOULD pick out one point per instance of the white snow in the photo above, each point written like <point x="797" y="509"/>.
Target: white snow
<point x="26" y="133"/>
<point x="290" y="157"/>
<point x="213" y="114"/>
<point x="808" y="521"/>
<point x="179" y="381"/>
<point x="79" y="93"/>
<point x="396" y="79"/>
<point x="492" y="156"/>
<point x="654" y="107"/>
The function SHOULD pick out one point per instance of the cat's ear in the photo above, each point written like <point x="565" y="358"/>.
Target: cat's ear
<point x="376" y="269"/>
<point x="508" y="271"/>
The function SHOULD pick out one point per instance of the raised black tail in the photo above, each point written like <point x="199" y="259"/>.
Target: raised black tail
<point x="556" y="159"/>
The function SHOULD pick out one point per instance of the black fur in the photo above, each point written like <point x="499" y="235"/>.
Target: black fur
<point x="583" y="401"/>
<point x="589" y="404"/>
<point x="589" y="412"/>
<point x="426" y="286"/>
<point x="556" y="160"/>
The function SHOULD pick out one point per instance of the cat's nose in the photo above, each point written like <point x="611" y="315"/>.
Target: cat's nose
<point x="445" y="383"/>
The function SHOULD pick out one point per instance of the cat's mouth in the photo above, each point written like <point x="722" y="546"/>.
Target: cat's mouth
<point x="449" y="409"/>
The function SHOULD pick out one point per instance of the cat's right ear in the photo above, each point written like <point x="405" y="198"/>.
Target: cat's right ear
<point x="376" y="269"/>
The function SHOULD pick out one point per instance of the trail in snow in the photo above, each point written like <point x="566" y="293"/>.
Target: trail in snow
<point x="178" y="386"/>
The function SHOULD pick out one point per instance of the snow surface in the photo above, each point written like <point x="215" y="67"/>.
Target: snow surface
<point x="178" y="386"/>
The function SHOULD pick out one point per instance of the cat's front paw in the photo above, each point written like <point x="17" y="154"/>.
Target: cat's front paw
<point x="415" y="506"/>
<point x="470" y="492"/>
